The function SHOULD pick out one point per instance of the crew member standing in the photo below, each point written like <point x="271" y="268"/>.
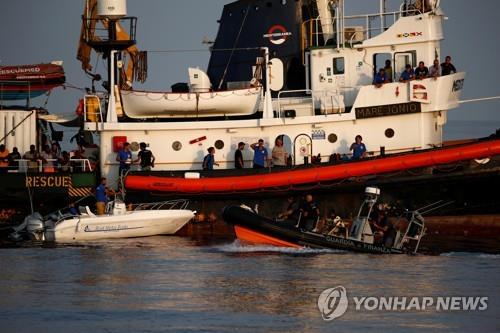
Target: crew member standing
<point x="125" y="158"/>
<point x="101" y="196"/>
<point x="260" y="155"/>
<point x="145" y="158"/>
<point x="238" y="156"/>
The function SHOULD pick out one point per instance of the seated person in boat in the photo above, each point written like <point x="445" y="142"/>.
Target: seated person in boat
<point x="290" y="210"/>
<point x="408" y="74"/>
<point x="279" y="154"/>
<point x="145" y="158"/>
<point x="209" y="160"/>
<point x="358" y="148"/>
<point x="239" y="163"/>
<point x="309" y="214"/>
<point x="102" y="194"/>
<point x="260" y="155"/>
<point x="380" y="78"/>
<point x="382" y="225"/>
<point x="421" y="72"/>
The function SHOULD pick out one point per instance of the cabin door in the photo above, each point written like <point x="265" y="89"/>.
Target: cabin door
<point x="401" y="59"/>
<point x="302" y="149"/>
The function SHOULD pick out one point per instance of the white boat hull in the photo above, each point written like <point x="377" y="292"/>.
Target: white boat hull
<point x="132" y="224"/>
<point x="144" y="105"/>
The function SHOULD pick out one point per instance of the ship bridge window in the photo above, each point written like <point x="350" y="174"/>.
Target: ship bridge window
<point x="338" y="66"/>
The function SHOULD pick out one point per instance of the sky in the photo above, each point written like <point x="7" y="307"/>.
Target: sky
<point x="36" y="31"/>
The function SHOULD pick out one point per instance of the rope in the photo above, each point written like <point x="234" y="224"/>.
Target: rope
<point x="15" y="127"/>
<point x="234" y="46"/>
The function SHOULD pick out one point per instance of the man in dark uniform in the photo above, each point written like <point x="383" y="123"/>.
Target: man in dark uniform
<point x="447" y="67"/>
<point x="238" y="156"/>
<point x="145" y="158"/>
<point x="309" y="213"/>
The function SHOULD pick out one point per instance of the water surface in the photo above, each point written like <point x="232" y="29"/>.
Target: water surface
<point x="172" y="284"/>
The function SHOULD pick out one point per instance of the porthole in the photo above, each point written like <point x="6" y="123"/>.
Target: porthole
<point x="176" y="146"/>
<point x="219" y="144"/>
<point x="332" y="138"/>
<point x="389" y="133"/>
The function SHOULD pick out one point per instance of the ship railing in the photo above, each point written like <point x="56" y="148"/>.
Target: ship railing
<point x="49" y="166"/>
<point x="163" y="205"/>
<point x="357" y="28"/>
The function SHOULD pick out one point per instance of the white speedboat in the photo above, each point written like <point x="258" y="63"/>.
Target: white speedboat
<point x="164" y="218"/>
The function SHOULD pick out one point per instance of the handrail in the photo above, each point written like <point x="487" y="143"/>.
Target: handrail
<point x="311" y="31"/>
<point x="42" y="164"/>
<point x="163" y="205"/>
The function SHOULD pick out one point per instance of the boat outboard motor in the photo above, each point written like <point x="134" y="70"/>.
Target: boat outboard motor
<point x="35" y="226"/>
<point x="119" y="208"/>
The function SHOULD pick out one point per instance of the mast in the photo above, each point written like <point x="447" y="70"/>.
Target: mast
<point x="113" y="15"/>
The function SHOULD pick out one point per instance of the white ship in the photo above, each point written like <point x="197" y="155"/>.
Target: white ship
<point x="339" y="55"/>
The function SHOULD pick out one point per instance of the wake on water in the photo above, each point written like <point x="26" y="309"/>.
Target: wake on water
<point x="238" y="247"/>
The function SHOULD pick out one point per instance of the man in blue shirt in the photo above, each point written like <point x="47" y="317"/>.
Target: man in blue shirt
<point x="380" y="78"/>
<point x="358" y="148"/>
<point x="209" y="160"/>
<point x="260" y="155"/>
<point x="408" y="74"/>
<point x="125" y="158"/>
<point x="101" y="196"/>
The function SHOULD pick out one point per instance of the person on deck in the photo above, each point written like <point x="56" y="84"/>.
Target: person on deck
<point x="388" y="70"/>
<point x="260" y="156"/>
<point x="14" y="158"/>
<point x="421" y="72"/>
<point x="279" y="154"/>
<point x="408" y="74"/>
<point x="32" y="156"/>
<point x="145" y="158"/>
<point x="380" y="78"/>
<point x="447" y="67"/>
<point x="434" y="70"/>
<point x="209" y="160"/>
<point x="102" y="194"/>
<point x="124" y="156"/>
<point x="358" y="148"/>
<point x="238" y="156"/>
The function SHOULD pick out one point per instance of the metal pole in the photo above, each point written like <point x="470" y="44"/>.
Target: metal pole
<point x="382" y="16"/>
